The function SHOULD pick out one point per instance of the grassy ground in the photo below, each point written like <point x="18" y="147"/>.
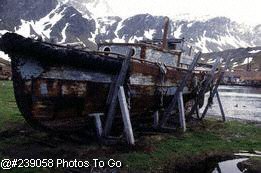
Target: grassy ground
<point x="153" y="152"/>
<point x="9" y="112"/>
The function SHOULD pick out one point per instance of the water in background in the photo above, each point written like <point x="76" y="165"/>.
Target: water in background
<point x="238" y="102"/>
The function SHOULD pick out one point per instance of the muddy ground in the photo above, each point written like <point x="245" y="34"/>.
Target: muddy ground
<point x="20" y="141"/>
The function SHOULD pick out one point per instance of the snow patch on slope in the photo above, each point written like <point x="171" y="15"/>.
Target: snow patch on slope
<point x="149" y="34"/>
<point x="24" y="29"/>
<point x="254" y="51"/>
<point x="247" y="60"/>
<point x="202" y="42"/>
<point x="135" y="39"/>
<point x="118" y="40"/>
<point x="64" y="33"/>
<point x="178" y="32"/>
<point x="2" y="32"/>
<point x="4" y="56"/>
<point x="233" y="41"/>
<point x="190" y="24"/>
<point x="43" y="27"/>
<point x="228" y="39"/>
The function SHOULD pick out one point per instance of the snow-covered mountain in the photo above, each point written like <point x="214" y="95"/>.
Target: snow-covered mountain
<point x="240" y="58"/>
<point x="90" y="8"/>
<point x="46" y="19"/>
<point x="67" y="21"/>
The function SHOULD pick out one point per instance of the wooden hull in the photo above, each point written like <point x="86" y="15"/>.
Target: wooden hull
<point x="53" y="94"/>
<point x="61" y="97"/>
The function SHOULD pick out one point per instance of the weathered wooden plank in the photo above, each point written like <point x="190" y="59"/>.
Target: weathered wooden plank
<point x="182" y="119"/>
<point x="97" y="117"/>
<point x="120" y="81"/>
<point x="221" y="107"/>
<point x="209" y="79"/>
<point x="180" y="88"/>
<point x="211" y="96"/>
<point x="215" y="90"/>
<point x="165" y="33"/>
<point x="126" y="116"/>
<point x="156" y="119"/>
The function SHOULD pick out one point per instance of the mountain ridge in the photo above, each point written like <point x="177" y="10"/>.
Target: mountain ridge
<point x="64" y="22"/>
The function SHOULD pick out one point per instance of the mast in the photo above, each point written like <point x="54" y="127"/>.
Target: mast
<point x="165" y="33"/>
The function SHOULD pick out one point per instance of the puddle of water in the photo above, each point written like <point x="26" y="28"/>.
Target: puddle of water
<point x="229" y="166"/>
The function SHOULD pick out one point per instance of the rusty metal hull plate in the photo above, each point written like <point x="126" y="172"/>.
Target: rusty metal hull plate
<point x="61" y="97"/>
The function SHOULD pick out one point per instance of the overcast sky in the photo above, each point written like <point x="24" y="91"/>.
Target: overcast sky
<point x="245" y="11"/>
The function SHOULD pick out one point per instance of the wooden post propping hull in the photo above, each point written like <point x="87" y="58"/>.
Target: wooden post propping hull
<point x="56" y="88"/>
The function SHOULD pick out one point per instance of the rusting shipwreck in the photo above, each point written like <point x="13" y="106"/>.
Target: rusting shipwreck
<point x="5" y="70"/>
<point x="57" y="88"/>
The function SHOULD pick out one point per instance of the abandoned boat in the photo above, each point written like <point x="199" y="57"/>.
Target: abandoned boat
<point x="57" y="87"/>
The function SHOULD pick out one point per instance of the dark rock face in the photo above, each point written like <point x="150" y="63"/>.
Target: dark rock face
<point x="215" y="34"/>
<point x="78" y="27"/>
<point x="12" y="11"/>
<point x="77" y="24"/>
<point x="238" y="57"/>
<point x="137" y="25"/>
<point x="109" y="24"/>
<point x="221" y="33"/>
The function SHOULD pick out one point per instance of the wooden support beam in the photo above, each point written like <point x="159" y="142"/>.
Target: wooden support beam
<point x="209" y="79"/>
<point x="98" y="123"/>
<point x="180" y="88"/>
<point x="212" y="95"/>
<point x="182" y="119"/>
<point x="221" y="107"/>
<point x="215" y="91"/>
<point x="165" y="34"/>
<point x="197" y="111"/>
<point x="113" y="102"/>
<point x="126" y="116"/>
<point x="156" y="119"/>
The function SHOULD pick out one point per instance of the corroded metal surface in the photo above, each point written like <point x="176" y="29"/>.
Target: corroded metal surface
<point x="54" y="96"/>
<point x="57" y="87"/>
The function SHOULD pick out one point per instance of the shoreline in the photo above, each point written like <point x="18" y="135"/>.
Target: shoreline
<point x="235" y="119"/>
<point x="243" y="85"/>
<point x="153" y="152"/>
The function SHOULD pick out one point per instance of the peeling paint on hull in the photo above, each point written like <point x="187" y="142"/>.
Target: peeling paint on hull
<point x="61" y="97"/>
<point x="56" y="87"/>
